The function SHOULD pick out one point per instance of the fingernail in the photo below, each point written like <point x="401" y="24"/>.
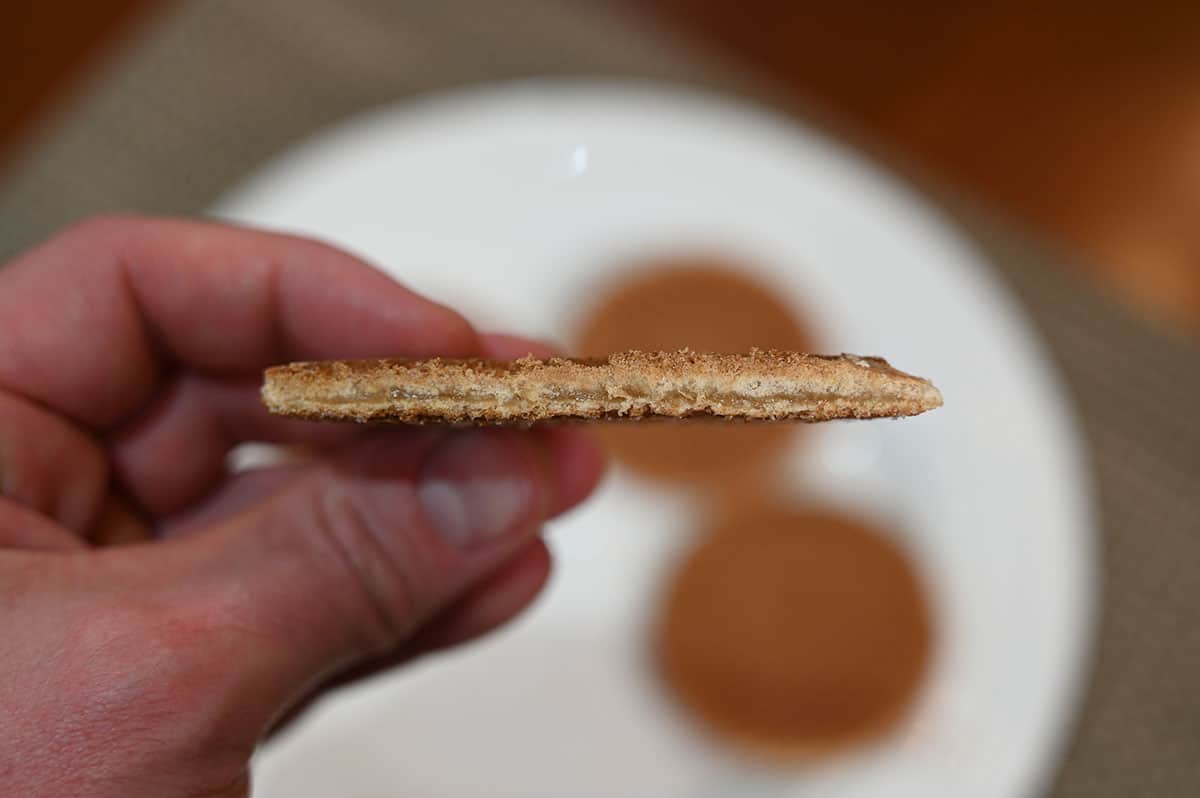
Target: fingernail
<point x="481" y="486"/>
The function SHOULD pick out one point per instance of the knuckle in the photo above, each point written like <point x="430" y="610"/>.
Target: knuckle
<point x="374" y="558"/>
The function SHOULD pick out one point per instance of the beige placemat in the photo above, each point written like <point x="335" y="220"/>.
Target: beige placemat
<point x="211" y="89"/>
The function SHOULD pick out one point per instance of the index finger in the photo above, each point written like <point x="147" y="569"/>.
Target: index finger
<point x="93" y="318"/>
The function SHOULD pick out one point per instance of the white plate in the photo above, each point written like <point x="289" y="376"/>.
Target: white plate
<point x="511" y="204"/>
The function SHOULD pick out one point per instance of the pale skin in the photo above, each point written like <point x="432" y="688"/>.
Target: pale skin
<point x="159" y="616"/>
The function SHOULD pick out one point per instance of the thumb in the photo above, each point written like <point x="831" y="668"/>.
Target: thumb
<point x="357" y="552"/>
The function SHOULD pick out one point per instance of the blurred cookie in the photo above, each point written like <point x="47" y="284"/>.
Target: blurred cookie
<point x="707" y="304"/>
<point x="758" y="385"/>
<point x="794" y="634"/>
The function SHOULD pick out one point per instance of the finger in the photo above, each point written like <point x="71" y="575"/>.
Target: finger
<point x="133" y="295"/>
<point x="120" y="524"/>
<point x="510" y="347"/>
<point x="22" y="528"/>
<point x="492" y="603"/>
<point x="496" y="600"/>
<point x="359" y="552"/>
<point x="176" y="450"/>
<point x="579" y="464"/>
<point x="50" y="466"/>
<point x="60" y="475"/>
<point x="236" y="494"/>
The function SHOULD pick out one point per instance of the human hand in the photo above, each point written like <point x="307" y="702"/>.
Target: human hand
<point x="130" y="356"/>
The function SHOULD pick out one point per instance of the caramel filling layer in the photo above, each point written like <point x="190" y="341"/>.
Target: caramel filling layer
<point x="552" y="395"/>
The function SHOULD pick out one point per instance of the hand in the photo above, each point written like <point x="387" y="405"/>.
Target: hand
<point x="130" y="359"/>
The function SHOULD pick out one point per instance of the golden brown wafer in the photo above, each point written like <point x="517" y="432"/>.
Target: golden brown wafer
<point x="764" y="385"/>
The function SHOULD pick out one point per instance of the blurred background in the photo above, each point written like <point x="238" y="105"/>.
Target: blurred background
<point x="1078" y="120"/>
<point x="1063" y="138"/>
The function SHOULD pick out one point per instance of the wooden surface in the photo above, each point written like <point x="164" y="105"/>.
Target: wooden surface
<point x="45" y="48"/>
<point x="1080" y="120"/>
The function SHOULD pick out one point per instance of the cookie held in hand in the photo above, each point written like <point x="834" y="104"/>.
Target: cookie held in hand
<point x="760" y="385"/>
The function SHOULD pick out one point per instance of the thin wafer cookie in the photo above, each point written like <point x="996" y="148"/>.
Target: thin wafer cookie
<point x="763" y="385"/>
